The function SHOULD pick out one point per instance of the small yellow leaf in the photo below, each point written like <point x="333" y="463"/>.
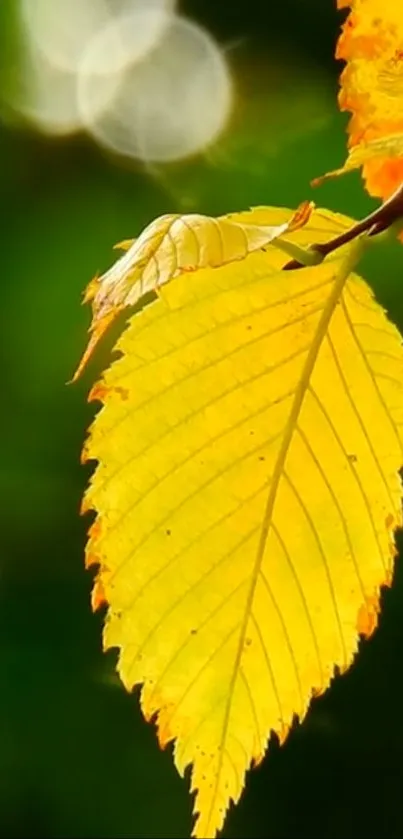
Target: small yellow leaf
<point x="246" y="495"/>
<point x="168" y="246"/>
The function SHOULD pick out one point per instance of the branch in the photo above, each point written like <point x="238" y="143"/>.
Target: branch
<point x="381" y="219"/>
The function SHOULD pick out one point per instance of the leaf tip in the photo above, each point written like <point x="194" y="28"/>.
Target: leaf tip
<point x="283" y="733"/>
<point x="301" y="215"/>
<point x="97" y="330"/>
<point x="91" y="289"/>
<point x="125" y="245"/>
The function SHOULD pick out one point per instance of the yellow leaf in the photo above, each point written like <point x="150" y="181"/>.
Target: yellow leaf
<point x="168" y="246"/>
<point x="246" y="494"/>
<point x="371" y="42"/>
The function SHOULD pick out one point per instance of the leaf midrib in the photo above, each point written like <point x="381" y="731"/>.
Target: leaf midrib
<point x="345" y="269"/>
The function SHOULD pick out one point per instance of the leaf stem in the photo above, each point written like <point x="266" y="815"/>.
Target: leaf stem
<point x="380" y="219"/>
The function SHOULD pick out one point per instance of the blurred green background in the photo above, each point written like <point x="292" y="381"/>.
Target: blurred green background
<point x="76" y="759"/>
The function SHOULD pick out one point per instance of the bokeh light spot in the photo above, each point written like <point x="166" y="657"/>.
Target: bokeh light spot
<point x="170" y="104"/>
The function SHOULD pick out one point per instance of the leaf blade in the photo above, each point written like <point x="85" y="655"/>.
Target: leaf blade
<point x="181" y="490"/>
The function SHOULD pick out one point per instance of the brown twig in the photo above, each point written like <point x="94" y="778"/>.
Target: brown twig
<point x="381" y="218"/>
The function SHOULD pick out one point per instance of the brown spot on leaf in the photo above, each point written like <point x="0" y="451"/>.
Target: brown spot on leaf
<point x="100" y="392"/>
<point x="85" y="455"/>
<point x="389" y="521"/>
<point x="86" y="505"/>
<point x="367" y="618"/>
<point x="95" y="530"/>
<point x="257" y="759"/>
<point x="316" y="692"/>
<point x="98" y="597"/>
<point x="122" y="392"/>
<point x="91" y="558"/>
<point x="165" y="733"/>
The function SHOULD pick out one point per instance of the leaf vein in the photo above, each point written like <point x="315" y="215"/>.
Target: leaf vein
<point x="185" y="501"/>
<point x="371" y="374"/>
<point x="353" y="472"/>
<point x="253" y="709"/>
<point x="199" y="673"/>
<point x="174" y="428"/>
<point x="284" y="626"/>
<point x="363" y="304"/>
<point x="190" y="229"/>
<point x="191" y="589"/>
<point x="269" y="666"/>
<point x="323" y="556"/>
<point x="360" y="420"/>
<point x="340" y="279"/>
<point x="338" y="508"/>
<point x="225" y="324"/>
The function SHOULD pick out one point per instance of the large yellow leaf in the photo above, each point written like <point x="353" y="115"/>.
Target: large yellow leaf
<point x="246" y="494"/>
<point x="371" y="43"/>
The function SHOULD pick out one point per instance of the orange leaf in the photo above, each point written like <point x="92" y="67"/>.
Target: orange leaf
<point x="371" y="43"/>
